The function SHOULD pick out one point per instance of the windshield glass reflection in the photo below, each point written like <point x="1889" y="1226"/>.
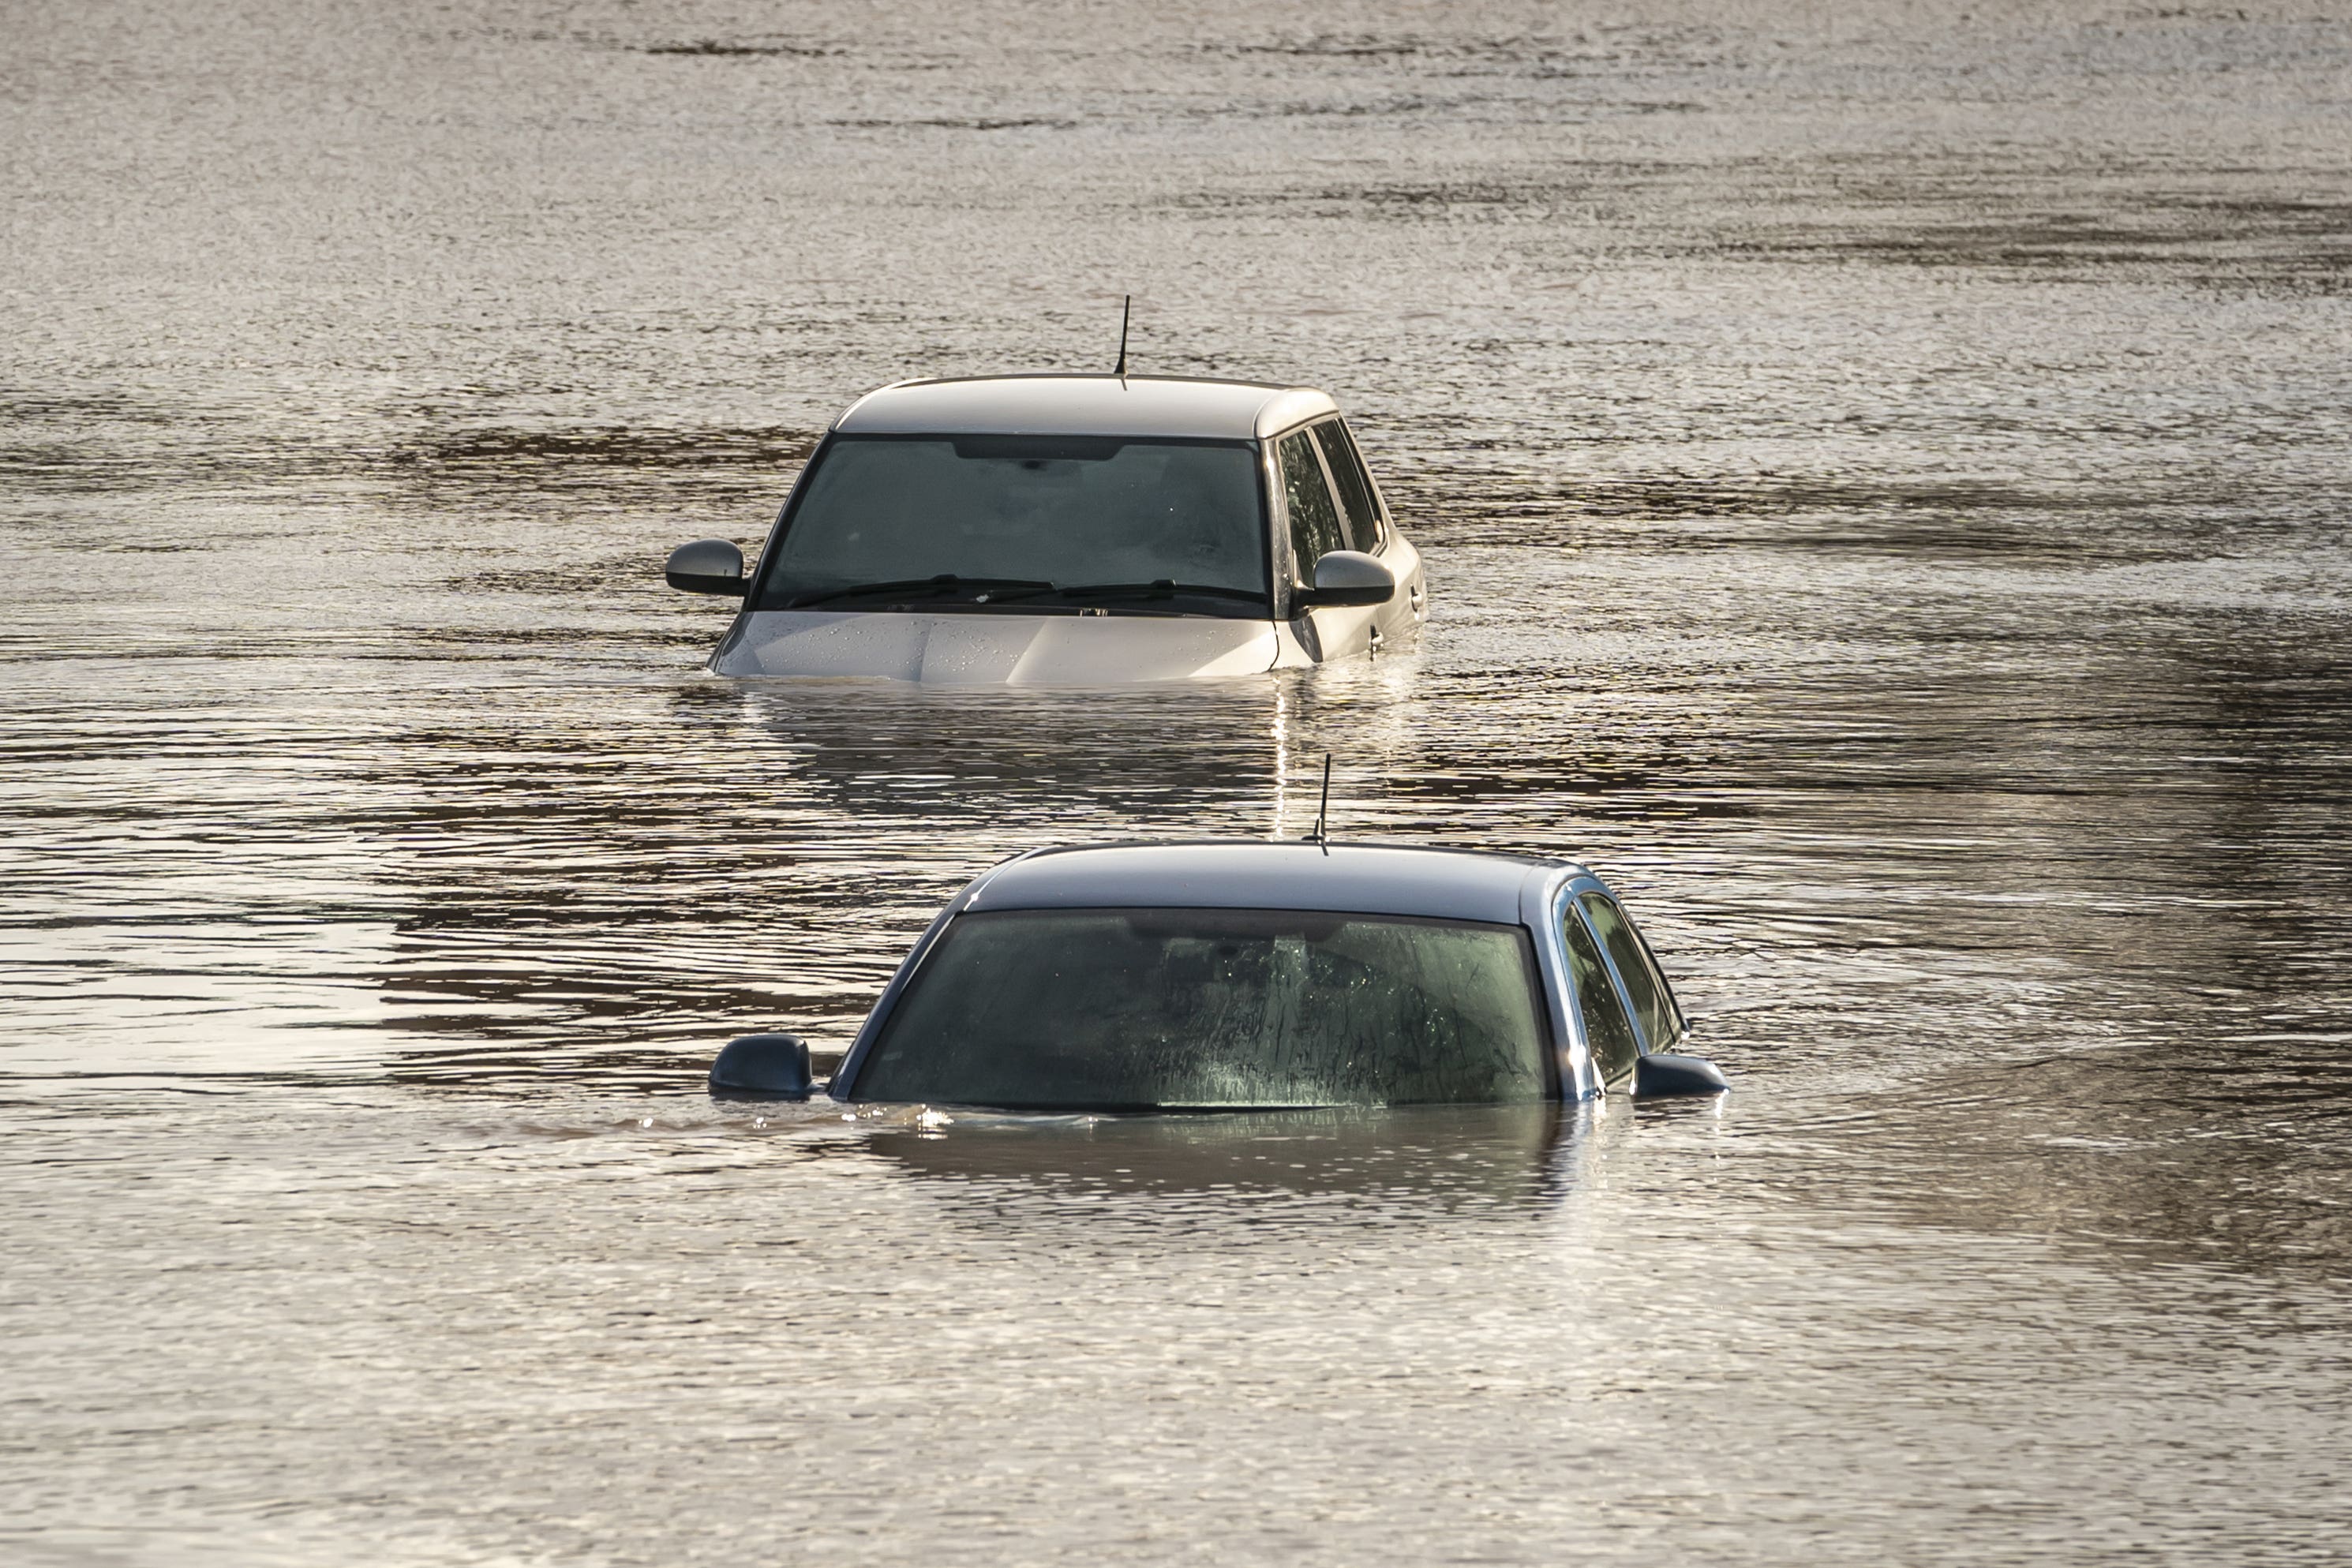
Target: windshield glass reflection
<point x="1140" y="1008"/>
<point x="968" y="519"/>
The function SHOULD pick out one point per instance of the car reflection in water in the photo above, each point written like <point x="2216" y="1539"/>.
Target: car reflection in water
<point x="1439" y="1157"/>
<point x="852" y="810"/>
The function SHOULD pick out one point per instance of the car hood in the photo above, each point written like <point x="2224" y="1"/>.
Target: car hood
<point x="993" y="649"/>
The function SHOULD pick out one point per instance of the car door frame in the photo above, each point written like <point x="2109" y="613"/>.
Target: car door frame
<point x="1410" y="605"/>
<point x="1338" y="631"/>
<point x="1544" y="905"/>
<point x="1658" y="972"/>
<point x="1617" y="977"/>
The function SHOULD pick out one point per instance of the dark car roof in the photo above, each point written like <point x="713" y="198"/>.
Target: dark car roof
<point x="1369" y="879"/>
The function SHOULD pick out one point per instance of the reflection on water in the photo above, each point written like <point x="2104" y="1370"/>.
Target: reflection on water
<point x="573" y="1326"/>
<point x="1505" y="1156"/>
<point x="1883" y="482"/>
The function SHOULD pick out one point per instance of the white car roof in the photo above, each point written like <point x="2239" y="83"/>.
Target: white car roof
<point x="1085" y="405"/>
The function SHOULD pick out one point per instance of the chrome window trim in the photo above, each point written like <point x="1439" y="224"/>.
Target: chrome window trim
<point x="1546" y="896"/>
<point x="1280" y="566"/>
<point x="1560" y="905"/>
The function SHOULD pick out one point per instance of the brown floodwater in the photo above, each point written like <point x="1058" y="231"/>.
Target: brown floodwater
<point x="1884" y="475"/>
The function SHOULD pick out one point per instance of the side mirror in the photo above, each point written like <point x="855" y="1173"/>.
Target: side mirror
<point x="1344" y="577"/>
<point x="764" y="1066"/>
<point x="1662" y="1072"/>
<point x="706" y="566"/>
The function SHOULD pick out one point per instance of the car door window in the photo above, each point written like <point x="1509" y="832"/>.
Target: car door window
<point x="1357" y="509"/>
<point x="1608" y="1032"/>
<point x="1314" y="520"/>
<point x="1661" y="1025"/>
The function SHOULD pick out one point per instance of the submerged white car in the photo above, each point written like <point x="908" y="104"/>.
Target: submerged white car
<point x="1070" y="530"/>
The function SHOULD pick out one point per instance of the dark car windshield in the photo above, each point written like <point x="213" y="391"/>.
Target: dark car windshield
<point x="1062" y="522"/>
<point x="1172" y="1009"/>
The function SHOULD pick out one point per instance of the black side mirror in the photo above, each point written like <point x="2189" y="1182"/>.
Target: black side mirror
<point x="1344" y="577"/>
<point x="706" y="566"/>
<point x="764" y="1066"/>
<point x="1662" y="1072"/>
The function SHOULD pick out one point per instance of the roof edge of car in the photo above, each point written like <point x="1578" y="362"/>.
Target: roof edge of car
<point x="1517" y="857"/>
<point x="1402" y="879"/>
<point x="1275" y="394"/>
<point x="989" y="874"/>
<point x="1091" y="376"/>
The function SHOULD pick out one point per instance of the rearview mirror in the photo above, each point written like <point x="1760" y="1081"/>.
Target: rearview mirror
<point x="769" y="1066"/>
<point x="706" y="566"/>
<point x="1664" y="1072"/>
<point x="1345" y="577"/>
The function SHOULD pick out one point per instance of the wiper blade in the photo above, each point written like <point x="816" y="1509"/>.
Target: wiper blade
<point x="1162" y="588"/>
<point x="944" y="583"/>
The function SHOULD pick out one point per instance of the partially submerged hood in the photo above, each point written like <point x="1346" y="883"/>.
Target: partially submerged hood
<point x="993" y="649"/>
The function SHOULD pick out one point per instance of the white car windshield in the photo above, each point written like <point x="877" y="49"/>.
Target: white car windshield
<point x="1027" y="523"/>
<point x="1193" y="1008"/>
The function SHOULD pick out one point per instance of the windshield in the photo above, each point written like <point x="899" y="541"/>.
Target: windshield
<point x="1175" y="1008"/>
<point x="1032" y="523"/>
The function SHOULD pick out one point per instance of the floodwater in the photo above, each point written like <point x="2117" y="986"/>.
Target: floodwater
<point x="1884" y="474"/>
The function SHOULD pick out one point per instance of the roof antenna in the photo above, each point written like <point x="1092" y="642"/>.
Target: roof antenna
<point x="1322" y="833"/>
<point x="1126" y="305"/>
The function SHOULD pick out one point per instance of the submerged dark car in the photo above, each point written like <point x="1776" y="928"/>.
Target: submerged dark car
<point x="1200" y="976"/>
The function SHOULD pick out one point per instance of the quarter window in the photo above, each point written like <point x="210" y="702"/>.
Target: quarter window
<point x="1608" y="1032"/>
<point x="1661" y="1025"/>
<point x="1314" y="520"/>
<point x="1355" y="486"/>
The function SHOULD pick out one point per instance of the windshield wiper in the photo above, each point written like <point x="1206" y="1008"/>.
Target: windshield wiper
<point x="1162" y="588"/>
<point x="945" y="582"/>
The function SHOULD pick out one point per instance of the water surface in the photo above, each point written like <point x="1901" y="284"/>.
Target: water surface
<point x="1884" y="479"/>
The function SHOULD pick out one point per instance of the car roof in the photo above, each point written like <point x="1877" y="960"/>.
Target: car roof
<point x="1184" y="407"/>
<point x="1365" y="879"/>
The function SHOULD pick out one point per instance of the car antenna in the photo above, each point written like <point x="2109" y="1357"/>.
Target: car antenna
<point x="1126" y="306"/>
<point x="1322" y="833"/>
